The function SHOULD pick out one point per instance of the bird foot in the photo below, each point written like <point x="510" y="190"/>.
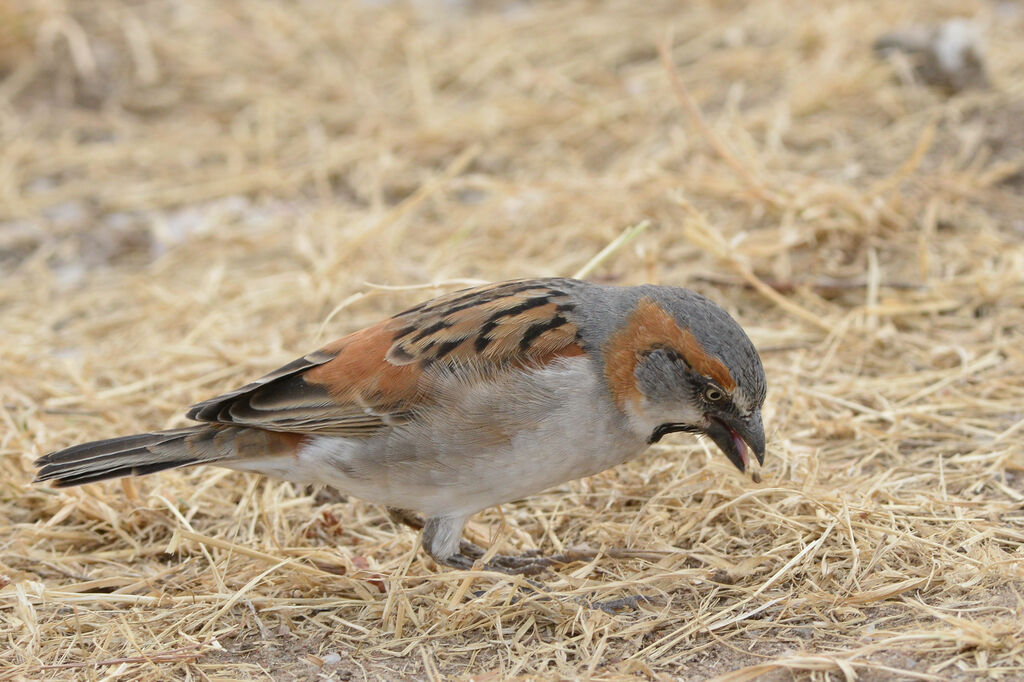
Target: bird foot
<point x="613" y="606"/>
<point x="528" y="563"/>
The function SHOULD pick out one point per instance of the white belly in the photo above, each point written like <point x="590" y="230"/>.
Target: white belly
<point x="480" y="447"/>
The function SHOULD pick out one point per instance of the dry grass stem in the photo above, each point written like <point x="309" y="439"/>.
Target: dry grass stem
<point x="193" y="193"/>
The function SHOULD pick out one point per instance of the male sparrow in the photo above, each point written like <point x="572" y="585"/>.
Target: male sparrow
<point x="472" y="399"/>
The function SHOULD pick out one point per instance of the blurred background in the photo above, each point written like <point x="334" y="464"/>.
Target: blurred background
<point x="195" y="192"/>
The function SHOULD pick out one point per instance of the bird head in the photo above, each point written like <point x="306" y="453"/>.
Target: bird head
<point x="681" y="363"/>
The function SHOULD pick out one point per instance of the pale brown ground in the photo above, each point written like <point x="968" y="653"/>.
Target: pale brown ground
<point x="194" y="192"/>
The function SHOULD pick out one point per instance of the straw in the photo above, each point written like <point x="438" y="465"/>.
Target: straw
<point x="195" y="193"/>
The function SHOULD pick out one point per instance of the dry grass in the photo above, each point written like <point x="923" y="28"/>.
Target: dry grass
<point x="195" y="192"/>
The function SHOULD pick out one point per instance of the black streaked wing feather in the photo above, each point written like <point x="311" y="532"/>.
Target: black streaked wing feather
<point x="284" y="401"/>
<point x="375" y="378"/>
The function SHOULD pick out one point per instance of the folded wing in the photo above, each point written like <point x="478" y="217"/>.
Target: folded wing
<point x="381" y="375"/>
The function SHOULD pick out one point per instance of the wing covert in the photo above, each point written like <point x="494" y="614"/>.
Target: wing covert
<point x="379" y="376"/>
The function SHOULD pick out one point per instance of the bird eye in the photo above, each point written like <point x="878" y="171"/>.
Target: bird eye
<point x="712" y="394"/>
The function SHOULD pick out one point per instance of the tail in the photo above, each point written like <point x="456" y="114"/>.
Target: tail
<point x="146" y="453"/>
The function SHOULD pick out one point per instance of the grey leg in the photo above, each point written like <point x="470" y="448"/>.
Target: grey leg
<point x="442" y="541"/>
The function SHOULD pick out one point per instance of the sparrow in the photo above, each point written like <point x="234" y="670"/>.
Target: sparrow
<point x="472" y="399"/>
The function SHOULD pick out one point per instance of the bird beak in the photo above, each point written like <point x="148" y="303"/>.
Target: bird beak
<point x="734" y="436"/>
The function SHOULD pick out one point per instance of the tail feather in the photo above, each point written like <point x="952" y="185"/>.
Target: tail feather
<point x="81" y="478"/>
<point x="146" y="453"/>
